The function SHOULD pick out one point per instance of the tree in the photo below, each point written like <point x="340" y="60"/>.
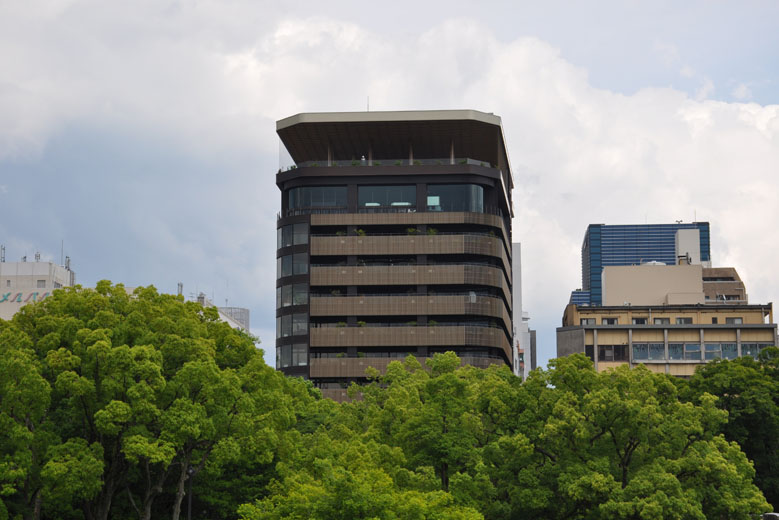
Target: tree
<point x="113" y="396"/>
<point x="748" y="390"/>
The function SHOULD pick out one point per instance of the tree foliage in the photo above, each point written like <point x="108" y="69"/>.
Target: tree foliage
<point x="115" y="405"/>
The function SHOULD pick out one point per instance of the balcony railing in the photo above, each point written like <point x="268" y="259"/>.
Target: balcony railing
<point x="387" y="162"/>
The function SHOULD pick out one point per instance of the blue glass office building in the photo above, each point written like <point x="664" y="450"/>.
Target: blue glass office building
<point x="630" y="245"/>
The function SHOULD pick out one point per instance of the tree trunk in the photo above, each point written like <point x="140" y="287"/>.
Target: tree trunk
<point x="180" y="489"/>
<point x="36" y="509"/>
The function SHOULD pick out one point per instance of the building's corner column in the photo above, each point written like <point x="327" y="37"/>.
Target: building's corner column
<point x="665" y="348"/>
<point x="738" y="342"/>
<point x="703" y="346"/>
<point x="594" y="346"/>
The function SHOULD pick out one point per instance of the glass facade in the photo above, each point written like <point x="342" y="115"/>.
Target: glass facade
<point x="292" y="235"/>
<point x="386" y="197"/>
<point x="317" y="197"/>
<point x="606" y="245"/>
<point x="455" y="197"/>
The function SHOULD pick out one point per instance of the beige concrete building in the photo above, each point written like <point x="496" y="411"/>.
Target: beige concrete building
<point x="669" y="318"/>
<point x="29" y="282"/>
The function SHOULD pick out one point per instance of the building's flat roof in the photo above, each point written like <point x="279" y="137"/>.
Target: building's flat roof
<point x="429" y="134"/>
<point x="388" y="115"/>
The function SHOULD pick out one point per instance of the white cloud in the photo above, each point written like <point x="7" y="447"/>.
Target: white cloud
<point x="580" y="154"/>
<point x="742" y="92"/>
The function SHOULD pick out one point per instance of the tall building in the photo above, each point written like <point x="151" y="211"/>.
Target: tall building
<point x="670" y="314"/>
<point x="394" y="238"/>
<point x="29" y="282"/>
<point x="637" y="244"/>
<point x="524" y="338"/>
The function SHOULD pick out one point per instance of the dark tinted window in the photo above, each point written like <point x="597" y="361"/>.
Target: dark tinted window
<point x="387" y="196"/>
<point x="455" y="197"/>
<point x="317" y="197"/>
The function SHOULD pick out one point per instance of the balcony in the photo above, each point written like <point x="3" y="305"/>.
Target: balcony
<point x="438" y="336"/>
<point x="411" y="245"/>
<point x="411" y="275"/>
<point x="410" y="305"/>
<point x="355" y="367"/>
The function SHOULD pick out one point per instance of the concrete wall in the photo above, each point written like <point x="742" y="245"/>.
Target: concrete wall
<point x="688" y="242"/>
<point x="652" y="285"/>
<point x="570" y="341"/>
<point x="22" y="283"/>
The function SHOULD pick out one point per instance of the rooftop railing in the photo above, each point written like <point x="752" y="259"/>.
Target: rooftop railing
<point x="362" y="161"/>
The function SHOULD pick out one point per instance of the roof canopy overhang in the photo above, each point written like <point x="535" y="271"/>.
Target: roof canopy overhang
<point x="424" y="134"/>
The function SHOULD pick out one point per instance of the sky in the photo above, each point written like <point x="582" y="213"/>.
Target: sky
<point x="139" y="137"/>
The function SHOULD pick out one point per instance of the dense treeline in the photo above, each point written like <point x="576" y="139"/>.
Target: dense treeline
<point x="117" y="406"/>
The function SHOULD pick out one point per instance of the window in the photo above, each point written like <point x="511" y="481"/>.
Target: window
<point x="692" y="351"/>
<point x="286" y="265"/>
<point x="684" y="321"/>
<point x="278" y="297"/>
<point x="41" y="284"/>
<point x="640" y="351"/>
<point x="317" y="197"/>
<point x="714" y="321"/>
<point x="713" y="351"/>
<point x="278" y="238"/>
<point x="734" y="321"/>
<point x="300" y="263"/>
<point x="729" y="351"/>
<point x="387" y="197"/>
<point x="283" y="356"/>
<point x="587" y="321"/>
<point x="656" y="351"/>
<point x="286" y="236"/>
<point x="455" y="197"/>
<point x="299" y="294"/>
<point x="278" y="327"/>
<point x="286" y="296"/>
<point x="662" y="321"/>
<point x="639" y="321"/>
<point x="750" y="349"/>
<point x="676" y="351"/>
<point x="588" y="351"/>
<point x="300" y="234"/>
<point x="299" y="324"/>
<point x="612" y="353"/>
<point x="609" y="321"/>
<point x="299" y="355"/>
<point x="286" y="326"/>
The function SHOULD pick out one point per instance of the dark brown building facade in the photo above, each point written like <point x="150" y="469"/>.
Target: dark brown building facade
<point x="394" y="238"/>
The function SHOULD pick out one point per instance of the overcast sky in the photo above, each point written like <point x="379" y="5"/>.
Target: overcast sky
<point x="142" y="134"/>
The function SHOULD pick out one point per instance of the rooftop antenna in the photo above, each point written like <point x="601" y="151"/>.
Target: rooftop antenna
<point x="67" y="263"/>
<point x="24" y="258"/>
<point x="678" y="221"/>
<point x="37" y="256"/>
<point x="2" y="254"/>
<point x="180" y="289"/>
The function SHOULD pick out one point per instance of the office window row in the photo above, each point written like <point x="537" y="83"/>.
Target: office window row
<point x="292" y="235"/>
<point x="439" y="197"/>
<point x="292" y="325"/>
<point x="676" y="351"/>
<point x="679" y="320"/>
<point x="694" y="351"/>
<point x="289" y="265"/>
<point x="287" y="295"/>
<point x="295" y="355"/>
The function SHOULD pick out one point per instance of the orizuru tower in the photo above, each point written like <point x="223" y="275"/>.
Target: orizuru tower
<point x="394" y="238"/>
